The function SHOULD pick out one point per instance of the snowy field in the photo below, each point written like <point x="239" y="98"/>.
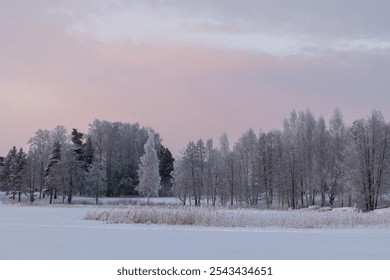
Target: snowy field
<point x="62" y="233"/>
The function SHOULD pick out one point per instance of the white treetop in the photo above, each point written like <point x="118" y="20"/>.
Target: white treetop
<point x="149" y="176"/>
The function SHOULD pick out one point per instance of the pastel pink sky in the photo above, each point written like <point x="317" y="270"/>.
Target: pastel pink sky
<point x="189" y="69"/>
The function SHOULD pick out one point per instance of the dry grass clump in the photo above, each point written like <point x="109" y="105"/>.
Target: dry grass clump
<point x="222" y="217"/>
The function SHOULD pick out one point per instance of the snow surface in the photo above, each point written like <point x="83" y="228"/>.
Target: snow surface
<point x="61" y="233"/>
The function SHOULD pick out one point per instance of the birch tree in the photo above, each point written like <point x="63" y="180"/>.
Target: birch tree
<point x="40" y="145"/>
<point x="96" y="177"/>
<point x="149" y="175"/>
<point x="370" y="162"/>
<point x="338" y="167"/>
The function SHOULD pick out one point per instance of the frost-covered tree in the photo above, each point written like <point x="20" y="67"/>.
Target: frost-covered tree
<point x="6" y="175"/>
<point x="200" y="157"/>
<point x="149" y="176"/>
<point x="226" y="171"/>
<point x="191" y="165"/>
<point x="306" y="153"/>
<point x="19" y="173"/>
<point x="122" y="145"/>
<point x="268" y="164"/>
<point x="13" y="172"/>
<point x="306" y="163"/>
<point x="212" y="172"/>
<point x="338" y="166"/>
<point x="246" y="149"/>
<point x="370" y="160"/>
<point x="322" y="159"/>
<point x="194" y="174"/>
<point x="182" y="183"/>
<point x="290" y="157"/>
<point x="31" y="176"/>
<point x="40" y="147"/>
<point x="96" y="177"/>
<point x="59" y="134"/>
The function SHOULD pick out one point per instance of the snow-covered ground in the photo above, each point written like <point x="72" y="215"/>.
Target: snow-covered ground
<point x="57" y="232"/>
<point x="6" y="199"/>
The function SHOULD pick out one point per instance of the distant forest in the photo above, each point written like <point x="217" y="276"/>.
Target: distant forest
<point x="103" y="162"/>
<point x="308" y="162"/>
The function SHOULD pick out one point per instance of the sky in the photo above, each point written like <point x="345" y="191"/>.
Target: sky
<point x="189" y="69"/>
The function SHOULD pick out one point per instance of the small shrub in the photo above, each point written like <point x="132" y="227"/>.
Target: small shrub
<point x="223" y="217"/>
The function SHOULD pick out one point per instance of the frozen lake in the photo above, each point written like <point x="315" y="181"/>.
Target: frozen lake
<point x="60" y="233"/>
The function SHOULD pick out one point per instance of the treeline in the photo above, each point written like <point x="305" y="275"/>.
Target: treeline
<point x="103" y="162"/>
<point x="308" y="162"/>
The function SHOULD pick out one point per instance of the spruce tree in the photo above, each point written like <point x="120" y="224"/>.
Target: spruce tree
<point x="88" y="153"/>
<point x="6" y="172"/>
<point x="18" y="173"/>
<point x="78" y="148"/>
<point x="12" y="173"/>
<point x="50" y="175"/>
<point x="166" y="169"/>
<point x="79" y="167"/>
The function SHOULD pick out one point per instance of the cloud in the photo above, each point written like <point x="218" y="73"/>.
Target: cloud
<point x="280" y="28"/>
<point x="190" y="69"/>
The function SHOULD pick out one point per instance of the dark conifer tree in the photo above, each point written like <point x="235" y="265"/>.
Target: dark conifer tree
<point x="166" y="170"/>
<point x="88" y="153"/>
<point x="18" y="173"/>
<point x="80" y="167"/>
<point x="6" y="176"/>
<point x="50" y="175"/>
<point x="77" y="140"/>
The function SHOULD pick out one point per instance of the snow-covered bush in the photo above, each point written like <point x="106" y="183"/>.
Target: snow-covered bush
<point x="222" y="217"/>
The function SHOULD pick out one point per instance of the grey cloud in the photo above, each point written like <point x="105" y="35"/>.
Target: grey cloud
<point x="333" y="18"/>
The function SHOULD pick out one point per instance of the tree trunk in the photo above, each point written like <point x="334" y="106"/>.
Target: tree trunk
<point x="232" y="184"/>
<point x="41" y="182"/>
<point x="323" y="198"/>
<point x="97" y="194"/>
